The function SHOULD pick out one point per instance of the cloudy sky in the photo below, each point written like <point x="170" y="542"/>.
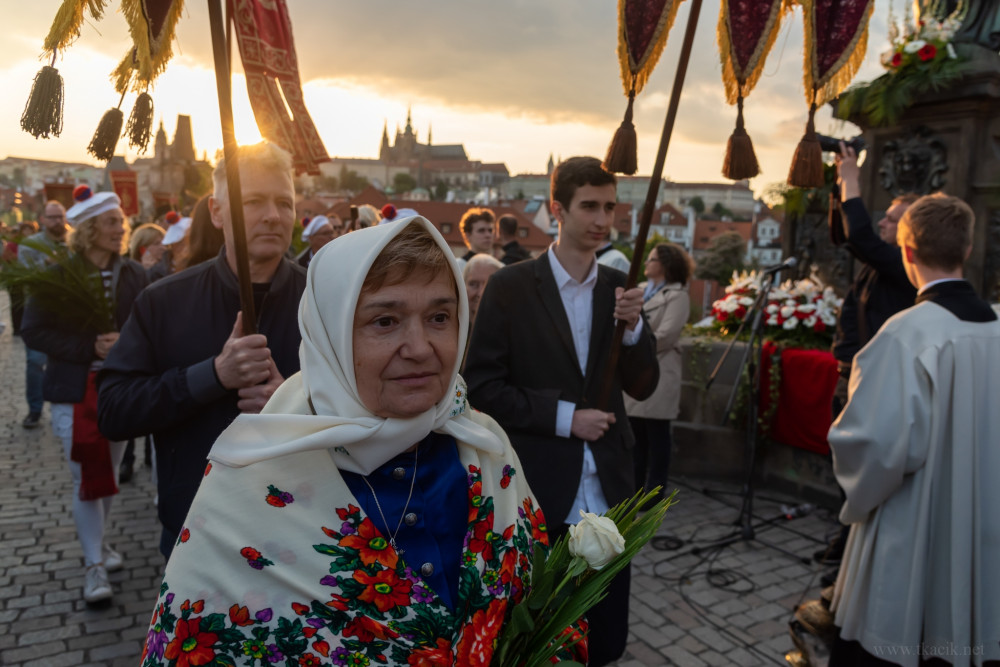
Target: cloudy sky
<point x="514" y="81"/>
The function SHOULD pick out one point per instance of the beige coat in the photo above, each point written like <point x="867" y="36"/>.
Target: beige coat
<point x="916" y="452"/>
<point x="667" y="313"/>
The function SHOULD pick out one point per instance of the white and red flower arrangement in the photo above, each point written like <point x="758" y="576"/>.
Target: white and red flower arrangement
<point x="803" y="312"/>
<point x="923" y="42"/>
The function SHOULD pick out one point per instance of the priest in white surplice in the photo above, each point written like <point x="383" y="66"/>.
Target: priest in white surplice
<point x="917" y="451"/>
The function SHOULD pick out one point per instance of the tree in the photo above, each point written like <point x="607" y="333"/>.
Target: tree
<point x="403" y="182"/>
<point x="724" y="255"/>
<point x="197" y="181"/>
<point x="351" y="181"/>
<point x="698" y="204"/>
<point x="326" y="183"/>
<point x="722" y="211"/>
<point x="440" y="192"/>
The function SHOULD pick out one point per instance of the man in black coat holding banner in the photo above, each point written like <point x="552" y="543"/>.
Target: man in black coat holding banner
<point x="540" y="345"/>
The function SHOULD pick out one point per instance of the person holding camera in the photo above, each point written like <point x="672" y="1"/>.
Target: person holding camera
<point x="880" y="290"/>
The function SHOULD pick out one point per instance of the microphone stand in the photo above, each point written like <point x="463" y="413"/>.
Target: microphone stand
<point x="752" y="360"/>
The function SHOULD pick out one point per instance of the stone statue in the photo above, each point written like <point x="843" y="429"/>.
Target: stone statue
<point x="981" y="24"/>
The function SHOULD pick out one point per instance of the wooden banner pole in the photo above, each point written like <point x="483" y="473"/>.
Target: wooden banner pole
<point x="654" y="186"/>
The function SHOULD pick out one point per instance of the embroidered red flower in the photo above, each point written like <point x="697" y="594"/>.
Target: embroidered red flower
<point x="310" y="660"/>
<point x="539" y="531"/>
<point x="249" y="553"/>
<point x="432" y="656"/>
<point x="300" y="608"/>
<point x="367" y="629"/>
<point x="240" y="616"/>
<point x="508" y="473"/>
<point x="208" y="468"/>
<point x="254" y="558"/>
<point x="897" y="59"/>
<point x="344" y="513"/>
<point x="198" y="606"/>
<point x="483" y="538"/>
<point x="371" y="546"/>
<point x="191" y="647"/>
<point x="927" y="52"/>
<point x="479" y="636"/>
<point x="338" y="602"/>
<point x="322" y="647"/>
<point x="185" y="535"/>
<point x="475" y="499"/>
<point x="278" y="498"/>
<point x="385" y="590"/>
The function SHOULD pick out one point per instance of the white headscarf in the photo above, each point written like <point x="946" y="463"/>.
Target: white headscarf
<point x="319" y="408"/>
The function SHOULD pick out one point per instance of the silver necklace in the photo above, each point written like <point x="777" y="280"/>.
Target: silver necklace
<point x="392" y="534"/>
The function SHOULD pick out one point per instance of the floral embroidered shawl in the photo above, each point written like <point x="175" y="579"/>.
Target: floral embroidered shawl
<point x="277" y="565"/>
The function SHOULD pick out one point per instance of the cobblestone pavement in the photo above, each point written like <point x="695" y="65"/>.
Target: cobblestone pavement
<point x="677" y="615"/>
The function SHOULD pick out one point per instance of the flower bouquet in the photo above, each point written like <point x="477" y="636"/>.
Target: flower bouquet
<point x="920" y="59"/>
<point x="801" y="313"/>
<point x="572" y="577"/>
<point x="66" y="284"/>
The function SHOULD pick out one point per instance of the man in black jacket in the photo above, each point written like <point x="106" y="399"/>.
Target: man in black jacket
<point x="536" y="363"/>
<point x="513" y="252"/>
<point x="182" y="370"/>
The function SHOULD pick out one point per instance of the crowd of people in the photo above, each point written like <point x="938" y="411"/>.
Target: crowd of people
<point x="364" y="477"/>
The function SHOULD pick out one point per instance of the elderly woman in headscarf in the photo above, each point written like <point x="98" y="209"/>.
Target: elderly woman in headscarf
<point x="70" y="330"/>
<point x="366" y="516"/>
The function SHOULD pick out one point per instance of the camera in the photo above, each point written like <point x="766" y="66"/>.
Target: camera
<point x="832" y="144"/>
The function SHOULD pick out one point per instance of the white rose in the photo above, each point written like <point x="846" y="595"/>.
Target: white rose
<point x="787" y="311"/>
<point x="791" y="323"/>
<point x="595" y="539"/>
<point x="914" y="46"/>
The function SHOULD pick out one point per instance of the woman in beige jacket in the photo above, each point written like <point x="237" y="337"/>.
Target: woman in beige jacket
<point x="667" y="307"/>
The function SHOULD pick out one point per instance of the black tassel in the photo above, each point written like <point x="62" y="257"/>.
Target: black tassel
<point x="621" y="157"/>
<point x="102" y="146"/>
<point x="741" y="161"/>
<point x="43" y="113"/>
<point x="140" y="123"/>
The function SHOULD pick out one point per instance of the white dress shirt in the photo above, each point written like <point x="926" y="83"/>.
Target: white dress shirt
<point x="578" y="301"/>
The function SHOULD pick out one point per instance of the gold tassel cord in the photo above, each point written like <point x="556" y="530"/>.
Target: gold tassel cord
<point x="68" y="20"/>
<point x="139" y="128"/>
<point x="102" y="146"/>
<point x="43" y="112"/>
<point x="807" y="163"/>
<point x="636" y="74"/>
<point x="741" y="161"/>
<point x="148" y="58"/>
<point x="622" y="155"/>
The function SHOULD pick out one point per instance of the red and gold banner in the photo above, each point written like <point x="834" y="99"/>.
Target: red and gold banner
<point x="126" y="186"/>
<point x="746" y="33"/>
<point x="643" y="26"/>
<point x="836" y="38"/>
<point x="152" y="25"/>
<point x="60" y="192"/>
<point x="264" y="33"/>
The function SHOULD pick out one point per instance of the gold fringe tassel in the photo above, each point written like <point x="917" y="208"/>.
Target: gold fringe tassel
<point x="43" y="112"/>
<point x="140" y="123"/>
<point x="622" y="152"/>
<point x="147" y="59"/>
<point x="741" y="161"/>
<point x="102" y="146"/>
<point x="636" y="74"/>
<point x="807" y="163"/>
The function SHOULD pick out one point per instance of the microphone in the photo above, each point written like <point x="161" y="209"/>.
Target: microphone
<point x="787" y="264"/>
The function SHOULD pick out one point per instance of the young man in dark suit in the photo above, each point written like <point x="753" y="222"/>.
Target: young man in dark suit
<point x="540" y="345"/>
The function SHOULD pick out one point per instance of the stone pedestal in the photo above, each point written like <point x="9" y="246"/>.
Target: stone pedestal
<point x="948" y="141"/>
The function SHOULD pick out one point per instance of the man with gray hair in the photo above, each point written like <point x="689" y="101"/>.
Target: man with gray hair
<point x="182" y="369"/>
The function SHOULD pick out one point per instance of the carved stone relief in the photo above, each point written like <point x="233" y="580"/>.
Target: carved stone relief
<point x="916" y="162"/>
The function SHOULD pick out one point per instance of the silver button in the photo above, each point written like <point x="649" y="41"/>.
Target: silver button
<point x="399" y="473"/>
<point x="427" y="569"/>
<point x="410" y="519"/>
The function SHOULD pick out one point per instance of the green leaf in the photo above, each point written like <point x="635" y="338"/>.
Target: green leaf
<point x="521" y="620"/>
<point x="213" y="623"/>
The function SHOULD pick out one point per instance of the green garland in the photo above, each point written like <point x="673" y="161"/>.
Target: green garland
<point x="885" y="99"/>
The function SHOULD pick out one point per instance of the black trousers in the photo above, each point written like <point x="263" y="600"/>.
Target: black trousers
<point x="652" y="451"/>
<point x="608" y="619"/>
